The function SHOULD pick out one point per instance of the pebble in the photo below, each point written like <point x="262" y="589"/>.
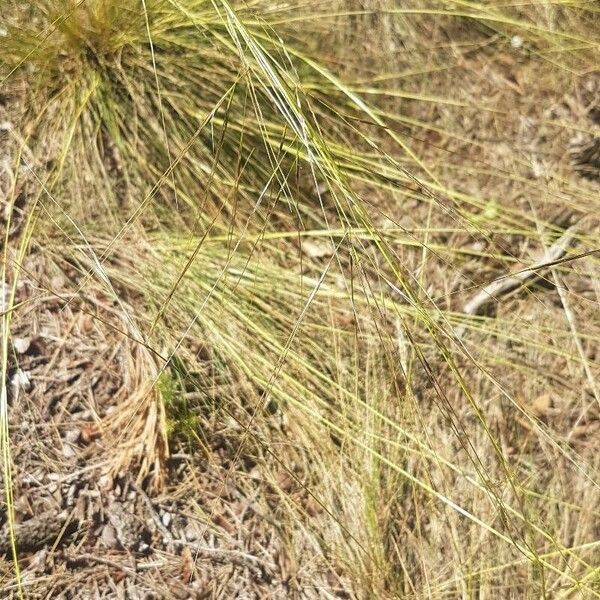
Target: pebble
<point x="68" y="451"/>
<point x="38" y="562"/>
<point x="166" y="519"/>
<point x="190" y="532"/>
<point x="70" y="501"/>
<point x="105" y="482"/>
<point x="72" y="436"/>
<point x="109" y="537"/>
<point x="21" y="345"/>
<point x="21" y="379"/>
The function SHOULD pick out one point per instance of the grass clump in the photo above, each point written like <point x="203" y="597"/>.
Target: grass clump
<point x="288" y="229"/>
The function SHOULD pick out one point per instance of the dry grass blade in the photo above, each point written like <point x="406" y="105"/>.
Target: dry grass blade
<point x="239" y="239"/>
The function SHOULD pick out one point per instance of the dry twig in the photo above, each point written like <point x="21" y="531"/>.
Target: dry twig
<point x="255" y="565"/>
<point x="505" y="285"/>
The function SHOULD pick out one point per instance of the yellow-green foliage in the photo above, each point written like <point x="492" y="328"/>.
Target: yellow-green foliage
<point x="237" y="177"/>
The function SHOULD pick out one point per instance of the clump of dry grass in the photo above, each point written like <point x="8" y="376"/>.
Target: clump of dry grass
<point x="289" y="230"/>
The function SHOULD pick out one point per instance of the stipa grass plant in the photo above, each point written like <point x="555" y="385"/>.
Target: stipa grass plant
<point x="99" y="73"/>
<point x="245" y="200"/>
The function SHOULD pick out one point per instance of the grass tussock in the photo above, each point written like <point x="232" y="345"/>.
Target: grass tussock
<point x="286" y="209"/>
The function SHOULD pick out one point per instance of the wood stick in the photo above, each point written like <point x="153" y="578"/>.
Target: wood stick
<point x="500" y="287"/>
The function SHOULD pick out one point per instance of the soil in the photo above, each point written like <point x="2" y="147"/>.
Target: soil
<point x="83" y="532"/>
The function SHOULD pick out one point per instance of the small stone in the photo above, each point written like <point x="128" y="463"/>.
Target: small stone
<point x="68" y="451"/>
<point x="190" y="532"/>
<point x="70" y="501"/>
<point x="537" y="168"/>
<point x="72" y="436"/>
<point x="21" y="379"/>
<point x="21" y="345"/>
<point x="166" y="519"/>
<point x="38" y="562"/>
<point x="317" y="248"/>
<point x="105" y="482"/>
<point x="109" y="537"/>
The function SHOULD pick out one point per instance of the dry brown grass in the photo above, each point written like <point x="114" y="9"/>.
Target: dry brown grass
<point x="249" y="371"/>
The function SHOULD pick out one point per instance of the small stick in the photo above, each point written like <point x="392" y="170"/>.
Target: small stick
<point x="257" y="566"/>
<point x="102" y="560"/>
<point x="505" y="285"/>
